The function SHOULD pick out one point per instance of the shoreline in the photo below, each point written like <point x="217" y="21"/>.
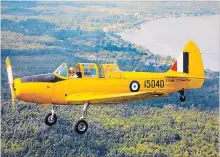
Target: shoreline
<point x="161" y="46"/>
<point x="137" y="27"/>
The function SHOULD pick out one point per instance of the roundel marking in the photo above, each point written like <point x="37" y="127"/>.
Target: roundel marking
<point x="134" y="86"/>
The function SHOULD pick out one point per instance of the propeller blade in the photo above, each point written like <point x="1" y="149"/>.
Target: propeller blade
<point x="10" y="80"/>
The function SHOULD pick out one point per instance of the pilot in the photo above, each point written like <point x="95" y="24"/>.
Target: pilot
<point x="72" y="73"/>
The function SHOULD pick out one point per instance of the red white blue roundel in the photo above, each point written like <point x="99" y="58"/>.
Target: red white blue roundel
<point x="134" y="86"/>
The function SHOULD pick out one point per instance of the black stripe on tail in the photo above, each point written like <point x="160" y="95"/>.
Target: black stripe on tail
<point x="185" y="62"/>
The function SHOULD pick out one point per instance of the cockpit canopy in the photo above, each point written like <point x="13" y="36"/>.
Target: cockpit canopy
<point x="90" y="70"/>
<point x="87" y="70"/>
<point x="83" y="70"/>
<point x="105" y="70"/>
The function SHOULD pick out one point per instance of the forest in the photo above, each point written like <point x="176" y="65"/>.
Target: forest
<point x="39" y="36"/>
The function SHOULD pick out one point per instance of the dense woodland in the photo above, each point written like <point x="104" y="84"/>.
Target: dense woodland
<point x="39" y="36"/>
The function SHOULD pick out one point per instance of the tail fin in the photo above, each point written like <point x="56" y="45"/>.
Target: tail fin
<point x="190" y="62"/>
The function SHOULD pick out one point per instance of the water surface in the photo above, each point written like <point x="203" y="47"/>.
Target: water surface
<point x="168" y="36"/>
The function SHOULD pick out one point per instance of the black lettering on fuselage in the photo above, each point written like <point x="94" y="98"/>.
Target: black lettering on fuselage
<point x="154" y="83"/>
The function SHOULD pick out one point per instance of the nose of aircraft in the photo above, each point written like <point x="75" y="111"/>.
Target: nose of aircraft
<point x="16" y="86"/>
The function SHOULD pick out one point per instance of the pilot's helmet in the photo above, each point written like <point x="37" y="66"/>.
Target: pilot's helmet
<point x="71" y="69"/>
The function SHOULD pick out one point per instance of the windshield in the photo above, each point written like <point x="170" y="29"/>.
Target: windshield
<point x="61" y="71"/>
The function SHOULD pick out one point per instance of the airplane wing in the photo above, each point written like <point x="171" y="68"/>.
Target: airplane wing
<point x="102" y="98"/>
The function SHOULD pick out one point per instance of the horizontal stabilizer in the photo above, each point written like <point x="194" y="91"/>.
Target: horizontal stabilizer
<point x="185" y="77"/>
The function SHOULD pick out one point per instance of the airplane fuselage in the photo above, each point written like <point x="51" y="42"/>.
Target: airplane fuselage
<point x="57" y="92"/>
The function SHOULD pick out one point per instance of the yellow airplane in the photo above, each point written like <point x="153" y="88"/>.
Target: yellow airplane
<point x="106" y="84"/>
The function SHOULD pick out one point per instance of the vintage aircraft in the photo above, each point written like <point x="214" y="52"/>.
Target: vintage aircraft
<point x="107" y="84"/>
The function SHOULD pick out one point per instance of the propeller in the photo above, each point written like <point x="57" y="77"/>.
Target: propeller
<point x="10" y="80"/>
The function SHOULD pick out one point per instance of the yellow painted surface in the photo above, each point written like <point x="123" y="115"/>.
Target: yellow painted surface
<point x="115" y="86"/>
<point x="37" y="92"/>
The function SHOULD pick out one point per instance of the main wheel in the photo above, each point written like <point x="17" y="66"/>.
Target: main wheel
<point x="49" y="120"/>
<point x="81" y="126"/>
<point x="182" y="98"/>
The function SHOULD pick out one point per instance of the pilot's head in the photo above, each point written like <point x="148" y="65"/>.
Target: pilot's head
<point x="71" y="70"/>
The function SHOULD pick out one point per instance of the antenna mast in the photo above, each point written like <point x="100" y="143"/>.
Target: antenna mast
<point x="137" y="66"/>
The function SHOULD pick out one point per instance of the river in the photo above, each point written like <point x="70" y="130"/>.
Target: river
<point x="168" y="36"/>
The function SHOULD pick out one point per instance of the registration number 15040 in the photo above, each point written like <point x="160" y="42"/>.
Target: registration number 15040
<point x="154" y="83"/>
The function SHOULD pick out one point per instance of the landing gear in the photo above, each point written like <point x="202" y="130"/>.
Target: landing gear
<point x="51" y="118"/>
<point x="182" y="96"/>
<point x="81" y="125"/>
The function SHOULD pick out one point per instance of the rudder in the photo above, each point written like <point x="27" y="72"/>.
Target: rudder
<point x="190" y="61"/>
<point x="190" y="64"/>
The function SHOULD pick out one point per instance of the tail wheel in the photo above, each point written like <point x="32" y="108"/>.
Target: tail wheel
<point x="182" y="98"/>
<point x="50" y="120"/>
<point x="81" y="126"/>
